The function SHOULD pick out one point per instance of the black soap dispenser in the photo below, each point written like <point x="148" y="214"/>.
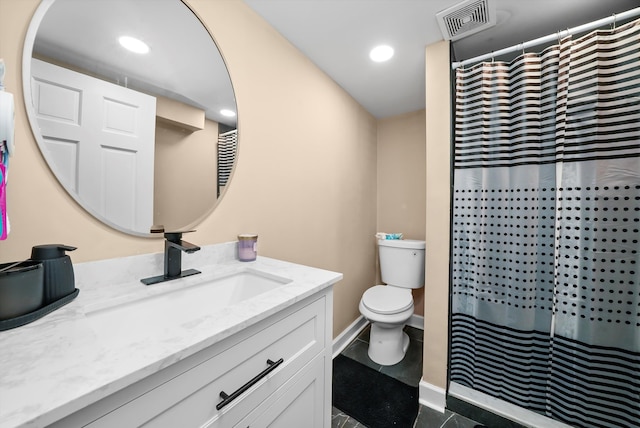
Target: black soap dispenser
<point x="59" y="280"/>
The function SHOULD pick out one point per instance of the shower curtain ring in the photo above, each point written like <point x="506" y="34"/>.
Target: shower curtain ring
<point x="613" y="25"/>
<point x="523" y="52"/>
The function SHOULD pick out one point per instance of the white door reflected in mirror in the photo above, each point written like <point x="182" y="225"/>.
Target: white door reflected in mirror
<point x="99" y="138"/>
<point x="148" y="160"/>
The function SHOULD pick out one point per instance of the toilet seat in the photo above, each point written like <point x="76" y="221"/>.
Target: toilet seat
<point x="387" y="300"/>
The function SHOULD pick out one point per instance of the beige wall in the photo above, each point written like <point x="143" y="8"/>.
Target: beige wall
<point x="436" y="299"/>
<point x="401" y="180"/>
<point x="185" y="184"/>
<point x="305" y="180"/>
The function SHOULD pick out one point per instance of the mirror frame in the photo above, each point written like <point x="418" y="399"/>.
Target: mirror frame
<point x="27" y="55"/>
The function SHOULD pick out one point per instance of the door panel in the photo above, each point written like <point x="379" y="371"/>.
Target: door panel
<point x="113" y="129"/>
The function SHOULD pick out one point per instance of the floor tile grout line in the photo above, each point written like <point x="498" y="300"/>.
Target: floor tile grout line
<point x="447" y="420"/>
<point x="349" y="421"/>
<point x="380" y="368"/>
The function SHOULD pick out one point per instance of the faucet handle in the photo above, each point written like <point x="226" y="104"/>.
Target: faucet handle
<point x="176" y="236"/>
<point x="157" y="228"/>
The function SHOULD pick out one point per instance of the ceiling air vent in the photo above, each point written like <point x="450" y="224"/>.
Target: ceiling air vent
<point x="466" y="18"/>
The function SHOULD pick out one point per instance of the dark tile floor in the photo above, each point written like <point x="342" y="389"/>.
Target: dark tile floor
<point x="409" y="371"/>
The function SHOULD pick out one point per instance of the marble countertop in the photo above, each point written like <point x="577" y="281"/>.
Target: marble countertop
<point x="61" y="363"/>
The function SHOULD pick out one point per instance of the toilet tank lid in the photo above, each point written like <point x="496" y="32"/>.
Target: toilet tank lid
<point x="402" y="243"/>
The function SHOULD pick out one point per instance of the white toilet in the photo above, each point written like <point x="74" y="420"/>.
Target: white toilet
<point x="389" y="307"/>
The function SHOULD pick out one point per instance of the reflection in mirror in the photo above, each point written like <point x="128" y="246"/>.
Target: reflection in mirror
<point x="132" y="135"/>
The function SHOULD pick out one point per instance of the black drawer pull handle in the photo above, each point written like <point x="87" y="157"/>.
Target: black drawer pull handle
<point x="226" y="398"/>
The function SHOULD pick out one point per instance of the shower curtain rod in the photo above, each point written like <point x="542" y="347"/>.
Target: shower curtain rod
<point x="551" y="37"/>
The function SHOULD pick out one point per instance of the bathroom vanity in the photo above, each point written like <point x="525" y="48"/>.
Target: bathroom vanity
<point x="242" y="344"/>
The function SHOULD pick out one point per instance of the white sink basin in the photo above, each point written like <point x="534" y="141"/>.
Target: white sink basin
<point x="181" y="305"/>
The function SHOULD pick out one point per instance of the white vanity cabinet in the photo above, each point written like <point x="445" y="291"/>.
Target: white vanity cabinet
<point x="295" y="393"/>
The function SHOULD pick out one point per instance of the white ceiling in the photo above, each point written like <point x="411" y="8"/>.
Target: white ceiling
<point x="338" y="34"/>
<point x="335" y="34"/>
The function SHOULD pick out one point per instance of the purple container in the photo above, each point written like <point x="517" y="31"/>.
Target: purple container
<point x="247" y="247"/>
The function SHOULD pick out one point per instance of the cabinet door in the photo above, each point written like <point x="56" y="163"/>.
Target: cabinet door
<point x="299" y="403"/>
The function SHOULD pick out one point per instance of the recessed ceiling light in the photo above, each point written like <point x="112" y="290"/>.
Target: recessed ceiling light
<point x="134" y="45"/>
<point x="381" y="53"/>
<point x="227" y="113"/>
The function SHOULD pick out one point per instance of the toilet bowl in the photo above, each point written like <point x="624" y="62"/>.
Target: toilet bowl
<point x="389" y="307"/>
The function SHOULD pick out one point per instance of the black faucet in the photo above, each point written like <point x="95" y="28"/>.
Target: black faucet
<point x="173" y="248"/>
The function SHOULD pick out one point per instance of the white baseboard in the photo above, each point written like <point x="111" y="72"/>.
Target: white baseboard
<point x="348" y="334"/>
<point x="416" y="321"/>
<point x="502" y="408"/>
<point x="432" y="396"/>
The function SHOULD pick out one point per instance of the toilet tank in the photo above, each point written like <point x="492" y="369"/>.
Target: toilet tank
<point x="402" y="262"/>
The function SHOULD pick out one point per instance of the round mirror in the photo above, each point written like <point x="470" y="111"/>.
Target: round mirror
<point x="133" y="109"/>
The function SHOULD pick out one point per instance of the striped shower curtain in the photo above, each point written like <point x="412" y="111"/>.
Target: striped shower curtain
<point x="546" y="219"/>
